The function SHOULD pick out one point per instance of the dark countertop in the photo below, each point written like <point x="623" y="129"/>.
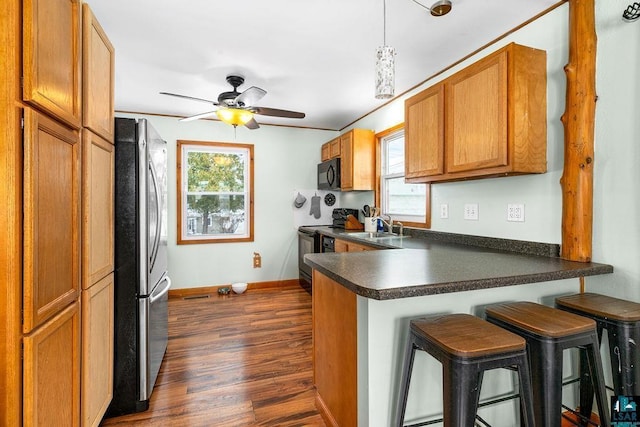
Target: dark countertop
<point x="433" y="263"/>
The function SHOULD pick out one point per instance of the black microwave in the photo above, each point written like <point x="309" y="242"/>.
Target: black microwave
<point x="329" y="175"/>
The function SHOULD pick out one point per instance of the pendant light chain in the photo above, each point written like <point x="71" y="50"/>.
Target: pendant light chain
<point x="384" y="22"/>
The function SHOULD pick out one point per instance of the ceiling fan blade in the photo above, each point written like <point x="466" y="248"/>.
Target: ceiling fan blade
<point x="189" y="97"/>
<point x="250" y="96"/>
<point x="265" y="111"/>
<point x="198" y="116"/>
<point x="252" y="124"/>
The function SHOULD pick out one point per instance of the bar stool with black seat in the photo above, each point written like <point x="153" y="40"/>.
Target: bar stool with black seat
<point x="621" y="320"/>
<point x="548" y="332"/>
<point x="466" y="346"/>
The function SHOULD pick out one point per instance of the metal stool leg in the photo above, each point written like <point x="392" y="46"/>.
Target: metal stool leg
<point x="595" y="367"/>
<point x="526" y="393"/>
<point x="409" y="356"/>
<point x="461" y="393"/>
<point x="623" y="343"/>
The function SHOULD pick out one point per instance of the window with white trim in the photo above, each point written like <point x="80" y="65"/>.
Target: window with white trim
<point x="403" y="202"/>
<point x="215" y="192"/>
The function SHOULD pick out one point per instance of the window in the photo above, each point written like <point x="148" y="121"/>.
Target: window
<point x="215" y="192"/>
<point x="404" y="202"/>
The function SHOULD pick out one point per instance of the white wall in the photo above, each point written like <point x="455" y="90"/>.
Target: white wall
<point x="284" y="160"/>
<point x="616" y="236"/>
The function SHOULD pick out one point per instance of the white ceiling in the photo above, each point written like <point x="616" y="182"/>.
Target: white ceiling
<point x="311" y="56"/>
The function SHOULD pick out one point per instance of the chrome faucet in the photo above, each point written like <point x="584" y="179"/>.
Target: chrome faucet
<point x="390" y="224"/>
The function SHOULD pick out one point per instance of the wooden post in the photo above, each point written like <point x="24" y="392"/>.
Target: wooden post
<point x="578" y="120"/>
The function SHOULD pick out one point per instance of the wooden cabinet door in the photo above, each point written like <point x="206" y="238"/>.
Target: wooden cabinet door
<point x="340" y="246"/>
<point x="476" y="116"/>
<point x="356" y="247"/>
<point x="346" y="246"/>
<point x="51" y="372"/>
<point x="424" y="133"/>
<point x="98" y="60"/>
<point x="97" y="351"/>
<point x="346" y="161"/>
<point x="51" y="218"/>
<point x="51" y="57"/>
<point x="335" y="148"/>
<point x="324" y="152"/>
<point x="97" y="208"/>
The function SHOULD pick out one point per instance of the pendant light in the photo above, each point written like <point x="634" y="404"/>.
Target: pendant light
<point x="385" y="63"/>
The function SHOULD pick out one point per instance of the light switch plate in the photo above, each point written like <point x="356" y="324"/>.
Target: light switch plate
<point x="444" y="211"/>
<point x="515" y="212"/>
<point x="471" y="211"/>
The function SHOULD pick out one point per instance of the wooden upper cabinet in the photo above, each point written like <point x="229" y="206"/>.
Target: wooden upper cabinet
<point x="324" y="152"/>
<point x="51" y="58"/>
<point x="476" y="116"/>
<point x="357" y="160"/>
<point x="97" y="208"/>
<point x="495" y="120"/>
<point x="51" y="218"/>
<point x="335" y="148"/>
<point x="98" y="59"/>
<point x="424" y="133"/>
<point x="346" y="162"/>
<point x="51" y="372"/>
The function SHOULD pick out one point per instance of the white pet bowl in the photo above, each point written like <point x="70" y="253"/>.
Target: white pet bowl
<point x="239" y="288"/>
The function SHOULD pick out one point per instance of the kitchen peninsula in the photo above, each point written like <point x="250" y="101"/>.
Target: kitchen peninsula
<point x="363" y="301"/>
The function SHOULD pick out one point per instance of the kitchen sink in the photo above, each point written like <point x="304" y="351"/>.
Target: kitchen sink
<point x="376" y="235"/>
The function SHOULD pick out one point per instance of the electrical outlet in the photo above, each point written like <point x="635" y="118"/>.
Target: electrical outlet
<point x="444" y="211"/>
<point x="257" y="260"/>
<point x="471" y="211"/>
<point x="515" y="212"/>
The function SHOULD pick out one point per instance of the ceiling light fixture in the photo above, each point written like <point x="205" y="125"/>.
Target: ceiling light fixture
<point x="439" y="8"/>
<point x="234" y="116"/>
<point x="385" y="63"/>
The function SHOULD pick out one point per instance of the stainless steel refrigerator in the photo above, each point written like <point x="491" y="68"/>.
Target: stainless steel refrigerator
<point x="141" y="278"/>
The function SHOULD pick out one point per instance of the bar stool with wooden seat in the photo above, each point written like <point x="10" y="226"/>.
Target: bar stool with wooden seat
<point x="548" y="332"/>
<point x="466" y="346"/>
<point x="621" y="320"/>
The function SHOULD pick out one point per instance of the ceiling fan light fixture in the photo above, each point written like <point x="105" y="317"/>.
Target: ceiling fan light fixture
<point x="234" y="116"/>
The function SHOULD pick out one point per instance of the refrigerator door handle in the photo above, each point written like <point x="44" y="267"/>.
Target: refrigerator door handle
<point x="154" y="297"/>
<point x="158" y="215"/>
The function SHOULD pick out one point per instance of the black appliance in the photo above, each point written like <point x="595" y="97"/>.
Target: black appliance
<point x="141" y="279"/>
<point x="339" y="216"/>
<point x="329" y="175"/>
<point x="328" y="244"/>
<point x="308" y="243"/>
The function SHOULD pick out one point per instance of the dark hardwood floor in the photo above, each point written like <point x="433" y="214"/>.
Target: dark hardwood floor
<point x="236" y="360"/>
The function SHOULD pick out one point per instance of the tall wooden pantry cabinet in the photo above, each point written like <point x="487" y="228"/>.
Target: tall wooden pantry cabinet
<point x="56" y="165"/>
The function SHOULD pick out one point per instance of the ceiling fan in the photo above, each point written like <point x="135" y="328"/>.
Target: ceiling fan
<point x="237" y="108"/>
